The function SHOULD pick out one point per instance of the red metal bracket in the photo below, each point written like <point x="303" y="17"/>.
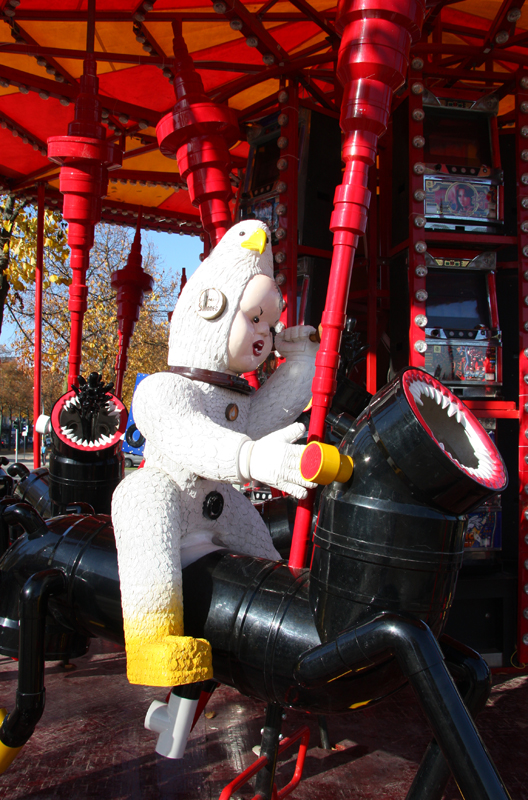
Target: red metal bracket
<point x="303" y="734"/>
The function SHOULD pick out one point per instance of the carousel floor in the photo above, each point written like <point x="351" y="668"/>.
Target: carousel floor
<point x="91" y="742"/>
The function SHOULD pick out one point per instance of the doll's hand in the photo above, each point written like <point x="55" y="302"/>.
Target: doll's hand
<point x="295" y="342"/>
<point x="275" y="461"/>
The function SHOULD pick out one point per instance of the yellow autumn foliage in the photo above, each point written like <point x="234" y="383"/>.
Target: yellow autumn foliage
<point x="148" y="351"/>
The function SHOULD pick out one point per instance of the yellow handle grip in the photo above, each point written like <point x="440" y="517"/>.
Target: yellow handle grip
<point x="323" y="463"/>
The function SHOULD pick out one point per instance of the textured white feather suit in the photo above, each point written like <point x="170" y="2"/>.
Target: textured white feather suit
<point x="192" y="449"/>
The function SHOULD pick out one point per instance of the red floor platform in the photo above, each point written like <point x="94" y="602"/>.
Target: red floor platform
<point x="91" y="742"/>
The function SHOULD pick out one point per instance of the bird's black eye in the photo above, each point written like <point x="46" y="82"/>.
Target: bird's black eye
<point x="267" y="239"/>
<point x="242" y="233"/>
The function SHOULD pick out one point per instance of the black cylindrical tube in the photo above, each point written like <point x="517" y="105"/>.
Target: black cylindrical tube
<point x="470" y="763"/>
<point x="18" y="726"/>
<point x="473" y="680"/>
<point x="25" y="515"/>
<point x="34" y="489"/>
<point x="421" y="661"/>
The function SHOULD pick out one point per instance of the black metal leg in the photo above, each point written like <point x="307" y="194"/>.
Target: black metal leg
<point x="473" y="680"/>
<point x="269" y="747"/>
<point x="422" y="662"/>
<point x="323" y="732"/>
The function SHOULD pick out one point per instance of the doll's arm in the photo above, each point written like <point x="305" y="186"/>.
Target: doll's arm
<point x="287" y="392"/>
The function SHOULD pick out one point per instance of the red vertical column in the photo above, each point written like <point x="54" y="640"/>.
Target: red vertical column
<point x="37" y="370"/>
<point x="417" y="242"/>
<point x="85" y="158"/>
<point x="372" y="62"/>
<point x="285" y="253"/>
<point x="199" y="133"/>
<point x="372" y="298"/>
<point x="522" y="216"/>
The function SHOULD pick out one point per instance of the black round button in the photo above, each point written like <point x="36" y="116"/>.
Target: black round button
<point x="213" y="505"/>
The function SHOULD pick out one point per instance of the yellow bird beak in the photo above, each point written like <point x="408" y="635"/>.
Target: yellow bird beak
<point x="257" y="241"/>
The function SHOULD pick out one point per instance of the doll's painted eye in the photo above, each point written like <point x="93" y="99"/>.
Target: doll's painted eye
<point x="256" y="319"/>
<point x="242" y="233"/>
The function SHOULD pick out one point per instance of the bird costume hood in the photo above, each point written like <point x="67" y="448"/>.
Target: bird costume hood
<point x="202" y="320"/>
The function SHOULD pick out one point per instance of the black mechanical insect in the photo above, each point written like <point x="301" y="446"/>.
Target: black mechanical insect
<point x="365" y="619"/>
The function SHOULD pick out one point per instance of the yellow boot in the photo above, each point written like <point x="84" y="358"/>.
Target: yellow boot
<point x="157" y="655"/>
<point x="169" y="661"/>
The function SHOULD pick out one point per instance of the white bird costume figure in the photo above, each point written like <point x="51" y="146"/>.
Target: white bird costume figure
<point x="205" y="431"/>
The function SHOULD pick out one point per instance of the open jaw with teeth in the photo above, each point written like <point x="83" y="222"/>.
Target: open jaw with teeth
<point x="454" y="428"/>
<point x="258" y="347"/>
<point x="97" y="430"/>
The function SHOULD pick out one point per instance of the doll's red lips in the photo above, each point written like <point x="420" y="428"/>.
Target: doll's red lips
<point x="258" y="347"/>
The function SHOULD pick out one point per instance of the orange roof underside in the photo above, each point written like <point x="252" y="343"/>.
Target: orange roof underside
<point x="43" y="43"/>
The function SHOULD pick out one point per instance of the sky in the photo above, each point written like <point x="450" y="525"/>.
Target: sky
<point x="175" y="252"/>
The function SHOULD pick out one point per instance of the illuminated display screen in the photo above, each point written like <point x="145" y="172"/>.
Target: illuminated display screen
<point x="451" y="197"/>
<point x="461" y="363"/>
<point x="458" y="138"/>
<point x="457" y="300"/>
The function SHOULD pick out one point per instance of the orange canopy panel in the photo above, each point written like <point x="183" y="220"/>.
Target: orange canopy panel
<point x="241" y="50"/>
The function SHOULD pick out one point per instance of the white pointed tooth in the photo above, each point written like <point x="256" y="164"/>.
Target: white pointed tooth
<point x="91" y="444"/>
<point x="442" y="445"/>
<point x="110" y="405"/>
<point x="106" y="439"/>
<point x="445" y="401"/>
<point x="416" y="393"/>
<point x="485" y="466"/>
<point x="85" y="443"/>
<point x="64" y="429"/>
<point x="451" y="410"/>
<point x="74" y="438"/>
<point x="458" y="414"/>
<point x="75" y="401"/>
<point x="438" y="396"/>
<point x="115" y="413"/>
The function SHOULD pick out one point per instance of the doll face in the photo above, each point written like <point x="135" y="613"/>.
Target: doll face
<point x="251" y="336"/>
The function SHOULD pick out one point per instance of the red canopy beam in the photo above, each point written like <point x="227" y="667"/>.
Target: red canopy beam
<point x="372" y="64"/>
<point x="223" y="93"/>
<point x="199" y="133"/>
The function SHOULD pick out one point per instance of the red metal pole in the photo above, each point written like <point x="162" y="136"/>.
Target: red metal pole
<point x="37" y="370"/>
<point x="85" y="158"/>
<point x="198" y="133"/>
<point x="372" y="62"/>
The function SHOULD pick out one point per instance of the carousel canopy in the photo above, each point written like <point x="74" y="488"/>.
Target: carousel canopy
<point x="241" y="50"/>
